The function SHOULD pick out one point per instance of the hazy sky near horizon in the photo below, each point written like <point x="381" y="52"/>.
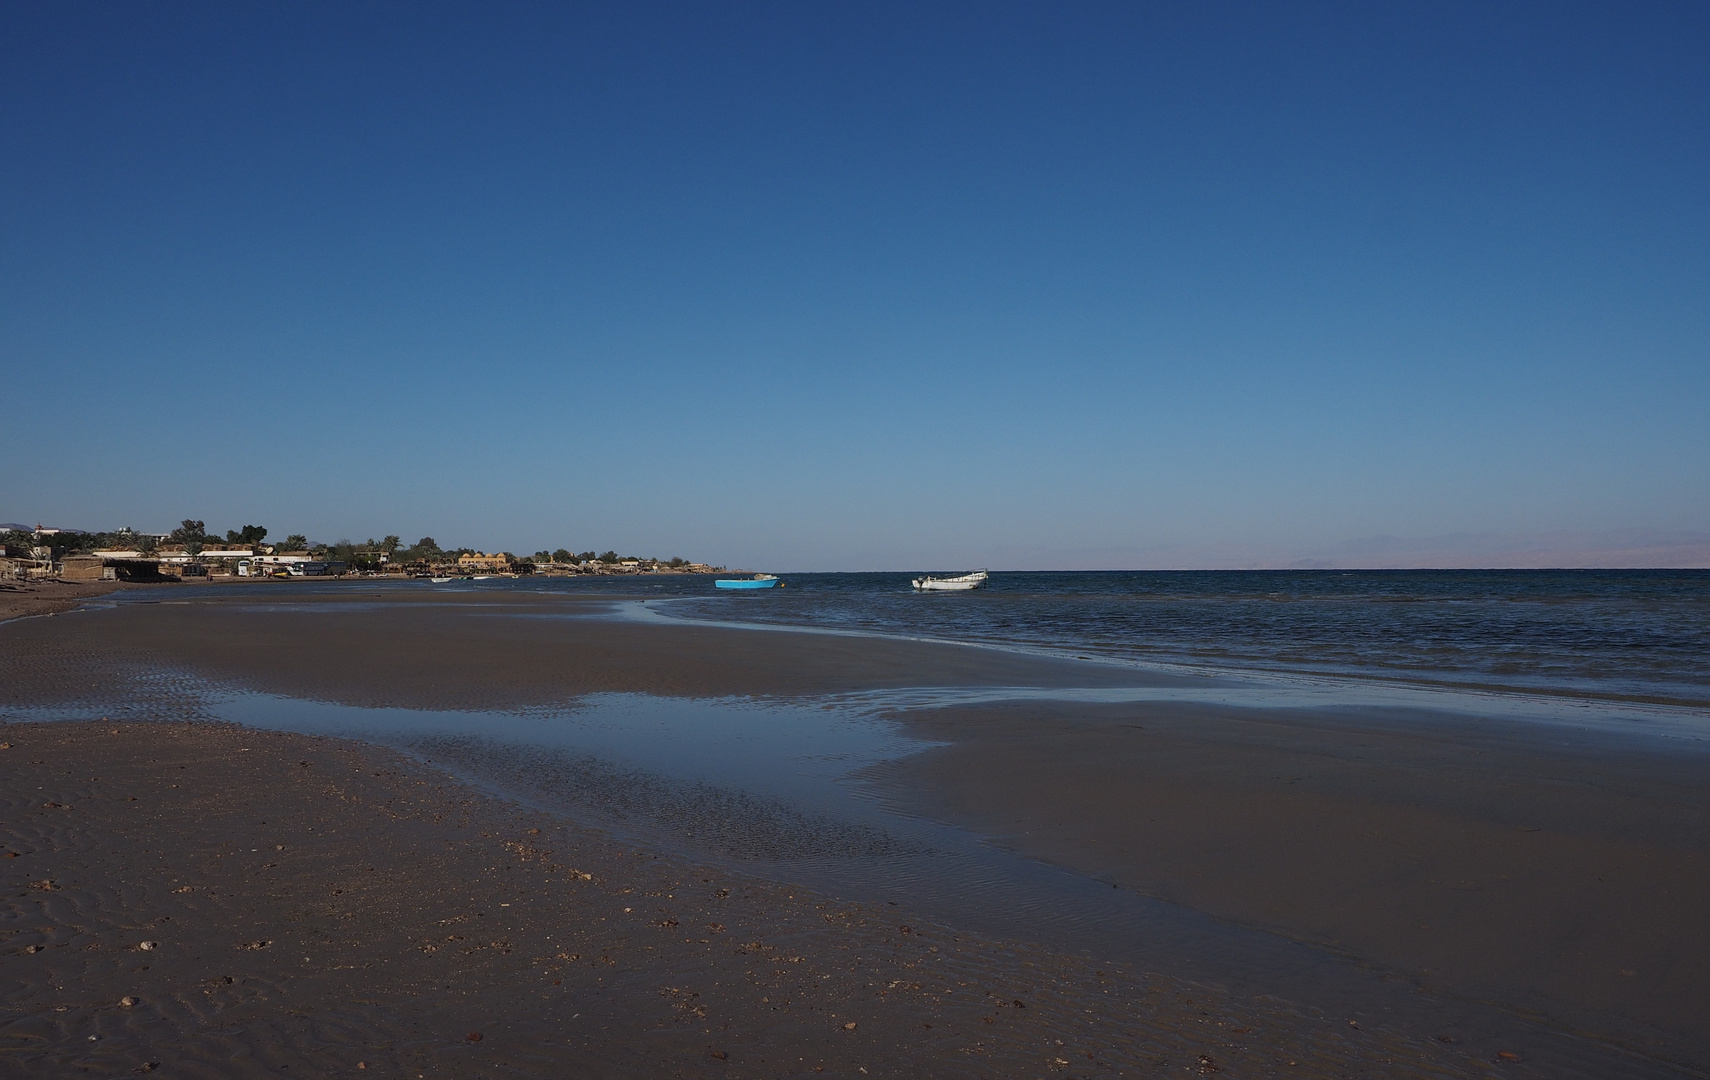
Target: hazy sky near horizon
<point x="859" y="286"/>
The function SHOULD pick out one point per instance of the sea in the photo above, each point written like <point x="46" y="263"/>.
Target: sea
<point x="1622" y="635"/>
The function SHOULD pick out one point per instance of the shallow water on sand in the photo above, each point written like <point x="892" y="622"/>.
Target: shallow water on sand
<point x="778" y="789"/>
<point x="783" y="790"/>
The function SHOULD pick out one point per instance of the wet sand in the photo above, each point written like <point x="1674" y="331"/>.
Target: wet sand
<point x="1562" y="873"/>
<point x="21" y="599"/>
<point x="211" y="901"/>
<point x="1459" y="856"/>
<point x="413" y="647"/>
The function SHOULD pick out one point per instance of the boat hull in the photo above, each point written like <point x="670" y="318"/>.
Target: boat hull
<point x="960" y="583"/>
<point x="727" y="583"/>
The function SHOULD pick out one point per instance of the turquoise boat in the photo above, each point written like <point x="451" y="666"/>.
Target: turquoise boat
<point x="758" y="581"/>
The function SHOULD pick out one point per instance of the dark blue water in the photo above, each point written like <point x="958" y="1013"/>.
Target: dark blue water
<point x="1635" y="634"/>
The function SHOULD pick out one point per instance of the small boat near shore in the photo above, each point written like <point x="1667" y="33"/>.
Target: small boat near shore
<point x="758" y="581"/>
<point x="960" y="583"/>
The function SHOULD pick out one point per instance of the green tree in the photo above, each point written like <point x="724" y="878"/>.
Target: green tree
<point x="248" y="536"/>
<point x="71" y="542"/>
<point x="296" y="542"/>
<point x="189" y="531"/>
<point x="390" y="544"/>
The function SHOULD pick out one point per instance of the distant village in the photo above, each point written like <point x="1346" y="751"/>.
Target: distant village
<point x="192" y="552"/>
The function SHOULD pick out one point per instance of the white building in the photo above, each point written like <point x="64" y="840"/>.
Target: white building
<point x="262" y="565"/>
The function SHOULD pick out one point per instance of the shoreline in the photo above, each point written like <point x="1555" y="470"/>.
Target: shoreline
<point x="1065" y="783"/>
<point x="23" y="600"/>
<point x="1202" y="671"/>
<point x="1152" y="671"/>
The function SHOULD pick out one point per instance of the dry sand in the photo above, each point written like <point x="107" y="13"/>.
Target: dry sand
<point x="1460" y="857"/>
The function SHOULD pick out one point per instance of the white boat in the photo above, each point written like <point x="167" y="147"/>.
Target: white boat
<point x="440" y="580"/>
<point x="482" y="577"/>
<point x="960" y="583"/>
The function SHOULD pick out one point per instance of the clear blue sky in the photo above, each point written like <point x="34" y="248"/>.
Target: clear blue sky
<point x="858" y="286"/>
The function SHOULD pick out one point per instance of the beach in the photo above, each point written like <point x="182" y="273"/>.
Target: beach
<point x="1394" y="894"/>
<point x="19" y="599"/>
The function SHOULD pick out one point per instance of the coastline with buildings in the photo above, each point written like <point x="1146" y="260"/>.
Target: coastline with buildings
<point x="190" y="552"/>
